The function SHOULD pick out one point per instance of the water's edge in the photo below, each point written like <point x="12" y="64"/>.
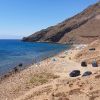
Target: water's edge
<point x="37" y="59"/>
<point x="18" y="69"/>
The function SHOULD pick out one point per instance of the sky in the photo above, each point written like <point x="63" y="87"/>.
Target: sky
<point x="20" y="18"/>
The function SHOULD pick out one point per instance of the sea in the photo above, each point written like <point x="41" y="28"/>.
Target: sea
<point x="15" y="52"/>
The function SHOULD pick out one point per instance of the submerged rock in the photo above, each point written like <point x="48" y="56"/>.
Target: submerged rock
<point x="20" y="65"/>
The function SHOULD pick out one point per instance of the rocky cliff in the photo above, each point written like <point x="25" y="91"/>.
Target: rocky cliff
<point x="81" y="28"/>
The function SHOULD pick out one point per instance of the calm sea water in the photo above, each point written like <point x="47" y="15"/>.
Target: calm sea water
<point x="13" y="52"/>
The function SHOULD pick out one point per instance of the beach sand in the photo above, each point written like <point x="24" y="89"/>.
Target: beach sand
<point x="49" y="80"/>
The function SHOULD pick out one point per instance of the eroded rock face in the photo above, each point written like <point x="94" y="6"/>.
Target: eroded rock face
<point x="82" y="28"/>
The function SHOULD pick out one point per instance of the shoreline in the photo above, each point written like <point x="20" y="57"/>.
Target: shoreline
<point x="54" y="71"/>
<point x="18" y="69"/>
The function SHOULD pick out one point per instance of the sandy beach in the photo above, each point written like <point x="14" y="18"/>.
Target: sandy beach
<point x="49" y="50"/>
<point x="50" y="80"/>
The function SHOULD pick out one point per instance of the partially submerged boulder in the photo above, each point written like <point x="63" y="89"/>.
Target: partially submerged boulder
<point x="74" y="73"/>
<point x="20" y="65"/>
<point x="87" y="73"/>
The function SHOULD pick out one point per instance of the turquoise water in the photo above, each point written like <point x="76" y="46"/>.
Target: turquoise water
<point x="13" y="52"/>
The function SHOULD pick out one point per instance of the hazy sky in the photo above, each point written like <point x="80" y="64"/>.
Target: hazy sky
<point x="20" y="18"/>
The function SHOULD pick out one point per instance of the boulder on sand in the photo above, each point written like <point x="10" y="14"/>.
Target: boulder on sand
<point x="92" y="49"/>
<point x="83" y="64"/>
<point x="54" y="59"/>
<point x="94" y="63"/>
<point x="87" y="73"/>
<point x="74" y="73"/>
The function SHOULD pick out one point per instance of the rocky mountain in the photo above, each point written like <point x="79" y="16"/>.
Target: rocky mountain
<point x="81" y="28"/>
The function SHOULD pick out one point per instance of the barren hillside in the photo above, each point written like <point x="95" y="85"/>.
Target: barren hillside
<point x="88" y="54"/>
<point x="82" y="28"/>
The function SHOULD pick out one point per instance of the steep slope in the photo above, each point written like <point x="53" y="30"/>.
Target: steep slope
<point x="82" y="28"/>
<point x="90" y="55"/>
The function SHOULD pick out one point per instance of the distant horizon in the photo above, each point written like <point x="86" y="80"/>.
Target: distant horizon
<point x="21" y="18"/>
<point x="10" y="38"/>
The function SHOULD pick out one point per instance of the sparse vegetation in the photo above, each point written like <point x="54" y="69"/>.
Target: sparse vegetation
<point x="42" y="78"/>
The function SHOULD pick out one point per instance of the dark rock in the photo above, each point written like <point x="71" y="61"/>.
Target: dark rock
<point x="87" y="73"/>
<point x="83" y="64"/>
<point x="92" y="49"/>
<point x="74" y="73"/>
<point x="20" y="65"/>
<point x="16" y="69"/>
<point x="94" y="64"/>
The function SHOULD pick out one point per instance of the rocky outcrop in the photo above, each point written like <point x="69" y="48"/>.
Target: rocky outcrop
<point x="82" y="28"/>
